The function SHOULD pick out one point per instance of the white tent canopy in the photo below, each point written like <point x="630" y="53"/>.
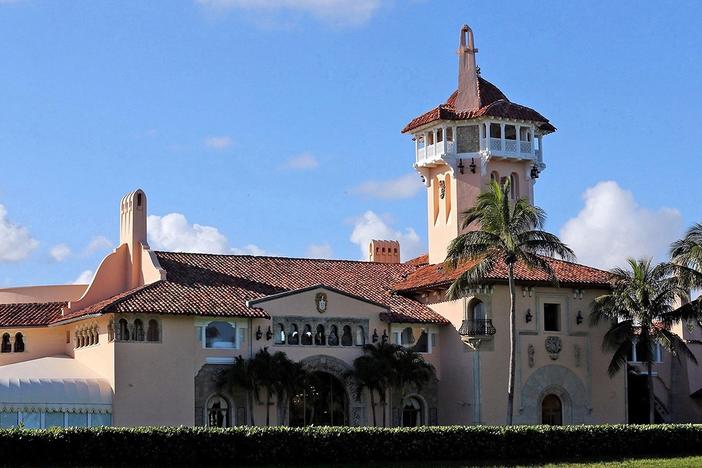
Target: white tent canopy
<point x="57" y="383"/>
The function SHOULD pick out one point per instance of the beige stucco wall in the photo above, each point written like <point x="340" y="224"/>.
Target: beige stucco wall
<point x="38" y="342"/>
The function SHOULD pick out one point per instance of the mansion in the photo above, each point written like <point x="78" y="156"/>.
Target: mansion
<point x="145" y="341"/>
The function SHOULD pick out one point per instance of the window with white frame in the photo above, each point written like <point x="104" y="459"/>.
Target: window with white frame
<point x="420" y="339"/>
<point x="220" y="335"/>
<point x="552" y="317"/>
<point x="638" y="354"/>
<point x="49" y="419"/>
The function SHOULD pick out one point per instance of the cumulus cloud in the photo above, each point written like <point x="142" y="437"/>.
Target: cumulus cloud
<point x="60" y="252"/>
<point x="85" y="277"/>
<point x="613" y="226"/>
<point x="405" y="186"/>
<point x="370" y="226"/>
<point x="218" y="142"/>
<point x="302" y="162"/>
<point x="337" y="12"/>
<point x="96" y="244"/>
<point x="15" y="241"/>
<point x="319" y="251"/>
<point x="175" y="233"/>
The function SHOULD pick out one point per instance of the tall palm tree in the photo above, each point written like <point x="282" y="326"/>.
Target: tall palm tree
<point x="641" y="308"/>
<point x="502" y="230"/>
<point x="369" y="374"/>
<point x="686" y="256"/>
<point x="411" y="371"/>
<point x="241" y="374"/>
<point x="265" y="368"/>
<point x="293" y="379"/>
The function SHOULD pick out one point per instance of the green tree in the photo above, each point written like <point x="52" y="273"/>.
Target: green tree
<point x="686" y="256"/>
<point x="641" y="308"/>
<point x="241" y="374"/>
<point x="372" y="375"/>
<point x="411" y="371"/>
<point x="293" y="378"/>
<point x="508" y="231"/>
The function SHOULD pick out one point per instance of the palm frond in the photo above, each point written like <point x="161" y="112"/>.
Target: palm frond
<point x="471" y="278"/>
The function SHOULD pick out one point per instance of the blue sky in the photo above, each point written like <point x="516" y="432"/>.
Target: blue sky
<point x="259" y="126"/>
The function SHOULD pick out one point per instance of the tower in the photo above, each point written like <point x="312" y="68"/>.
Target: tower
<point x="476" y="136"/>
<point x="132" y="231"/>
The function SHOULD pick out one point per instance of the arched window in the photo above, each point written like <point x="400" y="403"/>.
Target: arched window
<point x="138" y="330"/>
<point x="320" y="339"/>
<point x="407" y="337"/>
<point x="217" y="412"/>
<point x="96" y="335"/>
<point x="333" y="336"/>
<point x="123" y="330"/>
<point x="220" y="335"/>
<point x="514" y="186"/>
<point x="360" y="336"/>
<point x="152" y="332"/>
<point x="280" y="334"/>
<point x="494" y="177"/>
<point x="19" y="343"/>
<point x="422" y="345"/>
<point x="476" y="311"/>
<point x="439" y="135"/>
<point x="294" y="337"/>
<point x="307" y="335"/>
<point x="412" y="412"/>
<point x="552" y="411"/>
<point x="111" y="331"/>
<point x="6" y="347"/>
<point x="346" y="338"/>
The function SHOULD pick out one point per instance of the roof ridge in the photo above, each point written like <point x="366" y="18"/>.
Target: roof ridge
<point x="2" y="304"/>
<point x="277" y="257"/>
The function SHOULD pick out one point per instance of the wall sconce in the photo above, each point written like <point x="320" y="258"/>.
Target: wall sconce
<point x="385" y="336"/>
<point x="375" y="335"/>
<point x="577" y="293"/>
<point x="528" y="316"/>
<point x="527" y="290"/>
<point x="269" y="333"/>
<point x="534" y="172"/>
<point x="579" y="318"/>
<point x="424" y="181"/>
<point x="259" y="333"/>
<point x="460" y="165"/>
<point x="472" y="165"/>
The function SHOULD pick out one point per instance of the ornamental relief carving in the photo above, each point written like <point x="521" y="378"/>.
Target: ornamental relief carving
<point x="553" y="346"/>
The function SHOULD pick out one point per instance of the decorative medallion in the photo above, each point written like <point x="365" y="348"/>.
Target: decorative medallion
<point x="321" y="301"/>
<point x="442" y="189"/>
<point x="553" y="346"/>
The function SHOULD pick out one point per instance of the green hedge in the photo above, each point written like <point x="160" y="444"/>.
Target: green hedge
<point x="197" y="446"/>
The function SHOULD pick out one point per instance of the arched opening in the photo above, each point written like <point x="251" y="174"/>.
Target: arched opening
<point x="152" y="333"/>
<point x="333" y="336"/>
<point x="552" y="410"/>
<point x="280" y="335"/>
<point x="514" y="186"/>
<point x="323" y="402"/>
<point x="412" y="412"/>
<point x="6" y="347"/>
<point x="294" y="337"/>
<point x="19" y="343"/>
<point x="123" y="330"/>
<point x="320" y="338"/>
<point x="494" y="176"/>
<point x="220" y="335"/>
<point x="217" y="412"/>
<point x="307" y="335"/>
<point x="360" y="336"/>
<point x="346" y="339"/>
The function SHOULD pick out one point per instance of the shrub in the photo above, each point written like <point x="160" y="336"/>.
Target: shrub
<point x="258" y="445"/>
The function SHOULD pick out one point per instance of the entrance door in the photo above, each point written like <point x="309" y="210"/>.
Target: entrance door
<point x="552" y="411"/>
<point x="323" y="403"/>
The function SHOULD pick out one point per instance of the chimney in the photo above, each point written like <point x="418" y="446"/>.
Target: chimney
<point x="132" y="230"/>
<point x="467" y="98"/>
<point x="384" y="251"/>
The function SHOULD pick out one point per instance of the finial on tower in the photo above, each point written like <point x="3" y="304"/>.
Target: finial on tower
<point x="467" y="98"/>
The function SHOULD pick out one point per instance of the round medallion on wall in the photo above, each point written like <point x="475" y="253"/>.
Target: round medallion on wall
<point x="553" y="346"/>
<point x="321" y="301"/>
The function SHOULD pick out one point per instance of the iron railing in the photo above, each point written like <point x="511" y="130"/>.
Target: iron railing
<point x="482" y="327"/>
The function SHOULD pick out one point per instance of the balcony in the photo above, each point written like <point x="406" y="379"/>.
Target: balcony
<point x="477" y="328"/>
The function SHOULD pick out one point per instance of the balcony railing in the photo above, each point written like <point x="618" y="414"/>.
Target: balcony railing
<point x="498" y="146"/>
<point x="481" y="327"/>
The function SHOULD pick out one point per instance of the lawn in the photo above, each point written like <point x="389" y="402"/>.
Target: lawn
<point x="682" y="462"/>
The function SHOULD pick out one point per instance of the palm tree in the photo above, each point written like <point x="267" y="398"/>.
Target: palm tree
<point x="510" y="232"/>
<point x="641" y="307"/>
<point x="371" y="374"/>
<point x="242" y="374"/>
<point x="686" y="256"/>
<point x="267" y="368"/>
<point x="411" y="371"/>
<point x="293" y="379"/>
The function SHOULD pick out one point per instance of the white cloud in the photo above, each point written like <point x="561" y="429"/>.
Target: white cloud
<point x="85" y="277"/>
<point x="302" y="162"/>
<point x="60" y="252"/>
<point x="370" y="226"/>
<point x="219" y="142"/>
<point x="613" y="226"/>
<point x="319" y="251"/>
<point x="405" y="186"/>
<point x="15" y="241"/>
<point x="98" y="243"/>
<point x="173" y="232"/>
<point x="338" y="12"/>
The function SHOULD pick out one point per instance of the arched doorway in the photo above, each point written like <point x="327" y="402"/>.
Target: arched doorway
<point x="324" y="402"/>
<point x="217" y="412"/>
<point x="412" y="412"/>
<point x="552" y="410"/>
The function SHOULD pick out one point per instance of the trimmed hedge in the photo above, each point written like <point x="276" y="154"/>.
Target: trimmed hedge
<point x="259" y="445"/>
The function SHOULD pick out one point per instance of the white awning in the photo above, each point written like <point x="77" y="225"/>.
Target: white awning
<point x="57" y="383"/>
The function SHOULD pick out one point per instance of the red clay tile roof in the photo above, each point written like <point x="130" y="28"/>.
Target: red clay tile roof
<point x="569" y="274"/>
<point x="493" y="103"/>
<point x="419" y="261"/>
<point x="220" y="285"/>
<point x="30" y="314"/>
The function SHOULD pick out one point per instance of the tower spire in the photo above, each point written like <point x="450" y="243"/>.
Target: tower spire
<point x="467" y="98"/>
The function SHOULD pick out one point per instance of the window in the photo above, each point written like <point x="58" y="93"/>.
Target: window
<point x="217" y="412"/>
<point x="411" y="412"/>
<point x="19" y="343"/>
<point x="524" y="133"/>
<point x="138" y="330"/>
<point x="346" y="339"/>
<point x="320" y="338"/>
<point x="8" y="419"/>
<point x="422" y="345"/>
<point x="333" y="336"/>
<point x="449" y="134"/>
<point x="552" y="411"/>
<point x="53" y="419"/>
<point x="100" y="419"/>
<point x="552" y="317"/>
<point x="152" y="333"/>
<point x="495" y="130"/>
<point x="439" y="135"/>
<point x="468" y="139"/>
<point x="280" y="335"/>
<point x="407" y="337"/>
<point x="123" y="330"/>
<point x="68" y="336"/>
<point x="510" y="132"/>
<point x="360" y="336"/>
<point x="430" y="138"/>
<point x="294" y="337"/>
<point x="514" y="186"/>
<point x="638" y="352"/>
<point x="494" y="176"/>
<point x="476" y="311"/>
<point x="220" y="335"/>
<point x="421" y="143"/>
<point x="5" y="347"/>
<point x="307" y="335"/>
<point x="31" y="420"/>
<point x="77" y="420"/>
